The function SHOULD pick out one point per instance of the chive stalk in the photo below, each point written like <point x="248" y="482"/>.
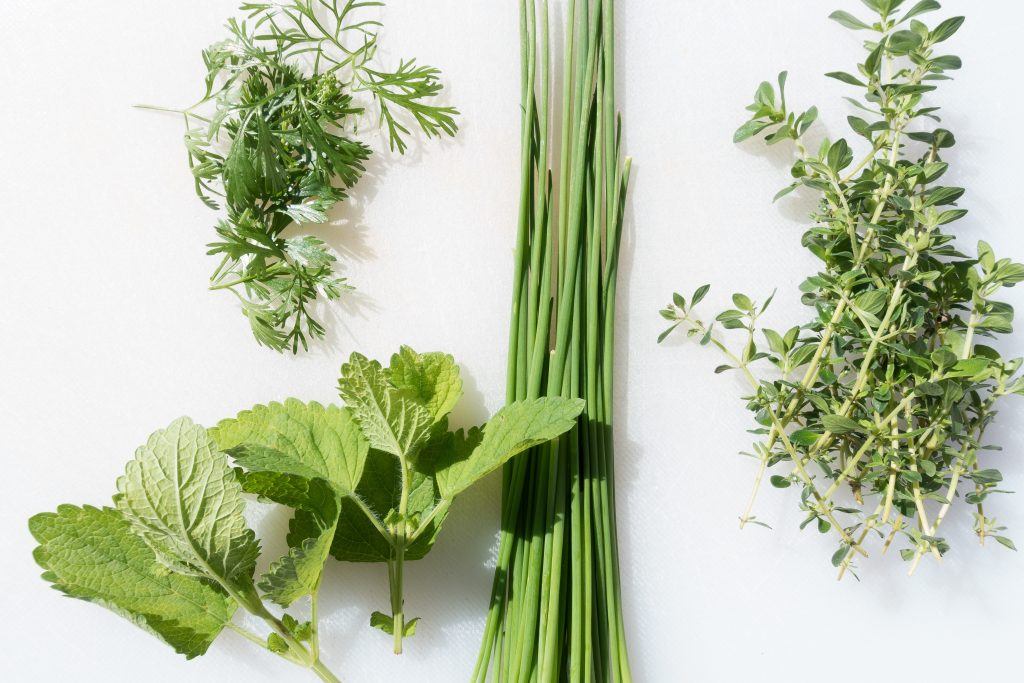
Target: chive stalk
<point x="555" y="612"/>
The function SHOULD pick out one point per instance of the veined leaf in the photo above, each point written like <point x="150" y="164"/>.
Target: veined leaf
<point x="514" y="429"/>
<point x="93" y="554"/>
<point x="181" y="496"/>
<point x="430" y="378"/>
<point x="390" y="420"/>
<point x="310" y="536"/>
<point x="305" y="439"/>
<point x="357" y="539"/>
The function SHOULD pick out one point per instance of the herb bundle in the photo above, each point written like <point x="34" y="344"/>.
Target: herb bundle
<point x="555" y="611"/>
<point x="272" y="139"/>
<point x="370" y="482"/>
<point x="878" y="406"/>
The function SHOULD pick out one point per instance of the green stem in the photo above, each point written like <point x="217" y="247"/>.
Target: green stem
<point x="323" y="673"/>
<point x="400" y="538"/>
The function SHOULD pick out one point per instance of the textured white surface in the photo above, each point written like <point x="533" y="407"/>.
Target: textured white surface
<point x="109" y="334"/>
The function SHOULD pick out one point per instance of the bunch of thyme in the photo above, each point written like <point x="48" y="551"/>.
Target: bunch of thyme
<point x="272" y="140"/>
<point x="884" y="396"/>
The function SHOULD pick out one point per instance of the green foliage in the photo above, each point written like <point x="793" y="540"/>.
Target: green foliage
<point x="387" y="461"/>
<point x="94" y="555"/>
<point x="177" y="558"/>
<point x="556" y="608"/>
<point x="883" y="396"/>
<point x="181" y="496"/>
<point x="274" y="141"/>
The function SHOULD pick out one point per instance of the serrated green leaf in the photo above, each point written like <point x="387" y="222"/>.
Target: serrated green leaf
<point x="390" y="420"/>
<point x="181" y="496"/>
<point x="430" y="378"/>
<point x="305" y="213"/>
<point x="305" y="439"/>
<point x="297" y="573"/>
<point x="514" y="429"/>
<point x="94" y="555"/>
<point x="309" y="252"/>
<point x="277" y="644"/>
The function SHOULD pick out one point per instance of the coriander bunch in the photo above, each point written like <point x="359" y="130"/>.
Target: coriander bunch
<point x="273" y="141"/>
<point x="876" y="408"/>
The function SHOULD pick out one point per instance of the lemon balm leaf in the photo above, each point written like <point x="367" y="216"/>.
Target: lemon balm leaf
<point x="92" y="554"/>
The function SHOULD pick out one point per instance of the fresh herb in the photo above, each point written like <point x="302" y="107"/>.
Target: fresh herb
<point x="176" y="557"/>
<point x="272" y="139"/>
<point x="556" y="611"/>
<point x="371" y="482"/>
<point x="883" y="397"/>
<point x="388" y="460"/>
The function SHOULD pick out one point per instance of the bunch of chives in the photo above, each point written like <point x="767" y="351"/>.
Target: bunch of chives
<point x="555" y="611"/>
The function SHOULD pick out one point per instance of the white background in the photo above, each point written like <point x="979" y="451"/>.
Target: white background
<point x="109" y="333"/>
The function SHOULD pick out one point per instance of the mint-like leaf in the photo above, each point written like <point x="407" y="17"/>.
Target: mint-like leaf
<point x="92" y="554"/>
<point x="306" y="439"/>
<point x="181" y="496"/>
<point x="390" y="420"/>
<point x="514" y="429"/>
<point x="430" y="378"/>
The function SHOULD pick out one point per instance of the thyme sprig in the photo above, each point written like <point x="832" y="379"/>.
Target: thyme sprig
<point x="273" y="141"/>
<point x="879" y="404"/>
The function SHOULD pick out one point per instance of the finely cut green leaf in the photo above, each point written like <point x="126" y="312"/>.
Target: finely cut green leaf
<point x="93" y="554"/>
<point x="181" y="496"/>
<point x="390" y="420"/>
<point x="306" y="439"/>
<point x="514" y="429"/>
